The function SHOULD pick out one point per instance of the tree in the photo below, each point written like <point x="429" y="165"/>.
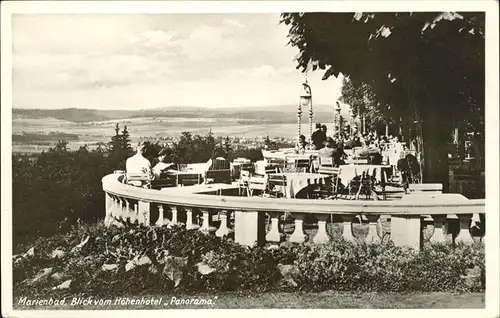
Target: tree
<point x="125" y="141"/>
<point x="428" y="66"/>
<point x="364" y="104"/>
<point x="120" y="148"/>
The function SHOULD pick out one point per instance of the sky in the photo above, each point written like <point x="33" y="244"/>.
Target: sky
<point x="140" y="61"/>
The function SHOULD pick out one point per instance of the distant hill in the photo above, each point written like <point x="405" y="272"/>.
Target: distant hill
<point x="269" y="114"/>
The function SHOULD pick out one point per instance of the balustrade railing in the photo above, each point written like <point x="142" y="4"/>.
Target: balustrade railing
<point x="251" y="220"/>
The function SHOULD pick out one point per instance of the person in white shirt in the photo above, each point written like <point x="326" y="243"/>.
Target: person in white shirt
<point x="137" y="164"/>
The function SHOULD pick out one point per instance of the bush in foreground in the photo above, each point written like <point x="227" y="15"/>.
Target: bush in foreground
<point x="103" y="261"/>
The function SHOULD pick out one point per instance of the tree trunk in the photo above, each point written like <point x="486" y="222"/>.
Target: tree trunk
<point x="435" y="131"/>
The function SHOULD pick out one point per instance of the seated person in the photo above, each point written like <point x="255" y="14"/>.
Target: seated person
<point x="161" y="166"/>
<point x="329" y="151"/>
<point x="140" y="165"/>
<point x="340" y="155"/>
<point x="301" y="145"/>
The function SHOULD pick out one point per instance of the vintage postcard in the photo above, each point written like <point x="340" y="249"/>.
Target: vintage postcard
<point x="159" y="157"/>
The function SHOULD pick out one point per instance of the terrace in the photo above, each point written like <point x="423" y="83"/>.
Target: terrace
<point x="294" y="213"/>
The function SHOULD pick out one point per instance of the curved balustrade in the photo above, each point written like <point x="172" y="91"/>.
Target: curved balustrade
<point x="258" y="219"/>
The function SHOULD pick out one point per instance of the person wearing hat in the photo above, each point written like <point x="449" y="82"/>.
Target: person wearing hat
<point x="318" y="137"/>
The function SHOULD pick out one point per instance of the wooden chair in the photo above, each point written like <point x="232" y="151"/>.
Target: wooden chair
<point x="219" y="171"/>
<point x="257" y="182"/>
<point x="330" y="188"/>
<point x="276" y="162"/>
<point x="243" y="182"/>
<point x="276" y="185"/>
<point x="247" y="167"/>
<point x="325" y="161"/>
<point x="361" y="185"/>
<point x="273" y="169"/>
<point x="303" y="165"/>
<point x="187" y="179"/>
<point x="166" y="180"/>
<point x="138" y="179"/>
<point x="218" y="176"/>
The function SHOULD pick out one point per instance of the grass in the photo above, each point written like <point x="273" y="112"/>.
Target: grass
<point x="297" y="300"/>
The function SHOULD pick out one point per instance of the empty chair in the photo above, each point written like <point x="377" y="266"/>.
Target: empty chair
<point x="272" y="169"/>
<point x="166" y="180"/>
<point x="276" y="185"/>
<point x="325" y="161"/>
<point x="361" y="185"/>
<point x="276" y="162"/>
<point x="257" y="182"/>
<point x="138" y="179"/>
<point x="248" y="166"/>
<point x="302" y="165"/>
<point x="330" y="188"/>
<point x="243" y="182"/>
<point x="219" y="171"/>
<point x="187" y="179"/>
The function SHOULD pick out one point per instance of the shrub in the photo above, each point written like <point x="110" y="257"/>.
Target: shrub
<point x="227" y="266"/>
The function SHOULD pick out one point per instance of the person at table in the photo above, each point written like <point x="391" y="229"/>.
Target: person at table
<point x="340" y="155"/>
<point x="318" y="137"/>
<point x="161" y="166"/>
<point x="300" y="148"/>
<point x="331" y="151"/>
<point x="139" y="164"/>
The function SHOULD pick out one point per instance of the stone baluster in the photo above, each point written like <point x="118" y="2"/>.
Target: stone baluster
<point x="134" y="217"/>
<point x="274" y="234"/>
<point x="298" y="235"/>
<point x="123" y="205"/>
<point x="109" y="202"/>
<point x="205" y="225"/>
<point x="159" y="222"/>
<point x="113" y="207"/>
<point x="464" y="234"/>
<point x="118" y="208"/>
<point x="347" y="225"/>
<point x="372" y="237"/>
<point x="439" y="235"/>
<point x="129" y="211"/>
<point x="144" y="212"/>
<point x="322" y="235"/>
<point x="223" y="230"/>
<point x="174" y="221"/>
<point x="189" y="219"/>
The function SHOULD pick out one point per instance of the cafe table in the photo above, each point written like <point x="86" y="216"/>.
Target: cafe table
<point x="297" y="181"/>
<point x="349" y="172"/>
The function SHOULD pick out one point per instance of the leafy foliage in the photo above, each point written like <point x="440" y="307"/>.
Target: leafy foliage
<point x="363" y="102"/>
<point x="426" y="65"/>
<point x="103" y="261"/>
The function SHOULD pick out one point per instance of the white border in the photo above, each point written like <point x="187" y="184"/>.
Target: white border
<point x="492" y="133"/>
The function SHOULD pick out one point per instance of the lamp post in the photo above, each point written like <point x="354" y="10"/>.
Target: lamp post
<point x="305" y="100"/>
<point x="337" y="120"/>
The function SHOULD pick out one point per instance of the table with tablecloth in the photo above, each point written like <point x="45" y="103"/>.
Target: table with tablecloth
<point x="297" y="181"/>
<point x="349" y="172"/>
